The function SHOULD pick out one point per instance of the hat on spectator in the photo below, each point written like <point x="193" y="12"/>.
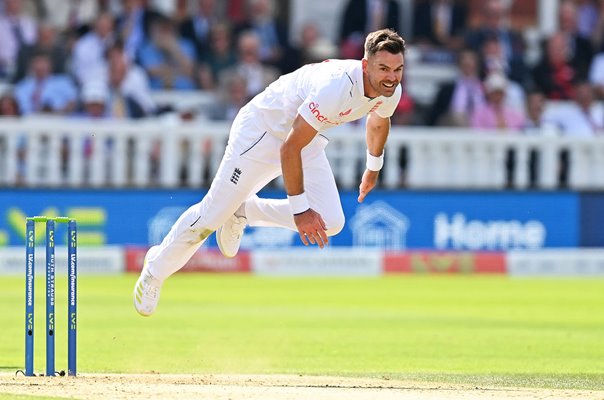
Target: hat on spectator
<point x="495" y="81"/>
<point x="95" y="92"/>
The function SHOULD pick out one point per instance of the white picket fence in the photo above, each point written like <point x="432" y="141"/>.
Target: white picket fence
<point x="51" y="152"/>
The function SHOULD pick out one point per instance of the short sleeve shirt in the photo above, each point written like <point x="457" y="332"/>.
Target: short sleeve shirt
<point x="326" y="95"/>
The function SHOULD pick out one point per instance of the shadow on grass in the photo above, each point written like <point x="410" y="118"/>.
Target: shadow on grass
<point x="10" y="368"/>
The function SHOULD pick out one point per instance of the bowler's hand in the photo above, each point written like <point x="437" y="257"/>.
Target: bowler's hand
<point x="368" y="182"/>
<point x="311" y="228"/>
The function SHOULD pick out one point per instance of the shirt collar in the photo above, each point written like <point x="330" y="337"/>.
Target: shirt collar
<point x="357" y="76"/>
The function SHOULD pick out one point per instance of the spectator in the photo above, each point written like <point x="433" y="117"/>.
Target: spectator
<point x="72" y="15"/>
<point x="42" y="91"/>
<point x="361" y="17"/>
<point x="219" y="57"/>
<point x="495" y="61"/>
<point x="554" y="75"/>
<point x="536" y="122"/>
<point x="16" y="30"/>
<point x="492" y="58"/>
<point x="168" y="59"/>
<point x="535" y="107"/>
<point x="587" y="17"/>
<point x="597" y="37"/>
<point x="495" y="26"/>
<point x="167" y="8"/>
<point x="197" y="28"/>
<point x="257" y="75"/>
<point x="439" y="24"/>
<point x="47" y="42"/>
<point x="584" y="117"/>
<point x="272" y="35"/>
<point x="95" y="96"/>
<point x="94" y="99"/>
<point x="495" y="114"/>
<point x="9" y="106"/>
<point x="455" y="100"/>
<point x="129" y="91"/>
<point x="181" y="12"/>
<point x="89" y="51"/>
<point x="313" y="46"/>
<point x="468" y="93"/>
<point x="232" y="96"/>
<point x="235" y="10"/>
<point x="580" y="49"/>
<point x="596" y="75"/>
<point x="133" y="26"/>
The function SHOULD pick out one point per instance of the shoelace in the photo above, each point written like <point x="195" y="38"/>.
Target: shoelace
<point x="151" y="291"/>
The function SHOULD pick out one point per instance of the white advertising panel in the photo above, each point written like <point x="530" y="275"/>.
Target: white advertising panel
<point x="315" y="262"/>
<point x="91" y="260"/>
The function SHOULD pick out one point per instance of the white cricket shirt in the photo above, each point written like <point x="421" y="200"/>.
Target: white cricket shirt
<point x="325" y="94"/>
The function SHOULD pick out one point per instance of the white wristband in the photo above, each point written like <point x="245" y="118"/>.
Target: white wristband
<point x="298" y="203"/>
<point x="374" y="163"/>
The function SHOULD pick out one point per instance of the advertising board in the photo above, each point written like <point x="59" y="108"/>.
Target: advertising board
<point x="388" y="220"/>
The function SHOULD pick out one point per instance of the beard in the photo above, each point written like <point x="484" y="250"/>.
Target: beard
<point x="385" y="91"/>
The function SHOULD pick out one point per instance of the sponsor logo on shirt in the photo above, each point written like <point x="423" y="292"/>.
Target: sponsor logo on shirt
<point x="314" y="109"/>
<point x="345" y="113"/>
<point x="376" y="106"/>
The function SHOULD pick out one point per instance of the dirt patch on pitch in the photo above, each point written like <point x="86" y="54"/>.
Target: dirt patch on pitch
<point x="263" y="387"/>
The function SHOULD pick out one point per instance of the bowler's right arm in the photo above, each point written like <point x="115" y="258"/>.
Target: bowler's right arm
<point x="311" y="226"/>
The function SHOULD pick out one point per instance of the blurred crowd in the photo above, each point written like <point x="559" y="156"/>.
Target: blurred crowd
<point x="105" y="58"/>
<point x="501" y="84"/>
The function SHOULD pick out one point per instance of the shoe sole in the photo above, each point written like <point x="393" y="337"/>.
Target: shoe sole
<point x="218" y="232"/>
<point x="135" y="292"/>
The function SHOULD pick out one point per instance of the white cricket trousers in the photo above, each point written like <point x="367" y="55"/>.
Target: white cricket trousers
<point x="251" y="160"/>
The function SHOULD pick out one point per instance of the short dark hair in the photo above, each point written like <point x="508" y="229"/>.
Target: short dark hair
<point x="384" y="39"/>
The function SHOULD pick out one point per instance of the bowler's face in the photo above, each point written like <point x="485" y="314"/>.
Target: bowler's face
<point x="383" y="72"/>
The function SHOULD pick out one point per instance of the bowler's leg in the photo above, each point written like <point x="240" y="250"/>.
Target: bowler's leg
<point x="236" y="180"/>
<point x="197" y="223"/>
<point x="320" y="188"/>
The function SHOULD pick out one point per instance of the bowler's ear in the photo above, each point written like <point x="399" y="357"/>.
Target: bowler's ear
<point x="364" y="64"/>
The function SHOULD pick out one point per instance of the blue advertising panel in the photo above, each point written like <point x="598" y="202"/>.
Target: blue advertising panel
<point x="387" y="219"/>
<point x="592" y="220"/>
<point x="104" y="216"/>
<point x="464" y="220"/>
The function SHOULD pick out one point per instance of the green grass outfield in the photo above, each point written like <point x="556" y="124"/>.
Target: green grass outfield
<point x="468" y="329"/>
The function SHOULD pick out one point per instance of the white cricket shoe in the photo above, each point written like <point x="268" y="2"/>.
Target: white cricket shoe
<point x="146" y="290"/>
<point x="228" y="236"/>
